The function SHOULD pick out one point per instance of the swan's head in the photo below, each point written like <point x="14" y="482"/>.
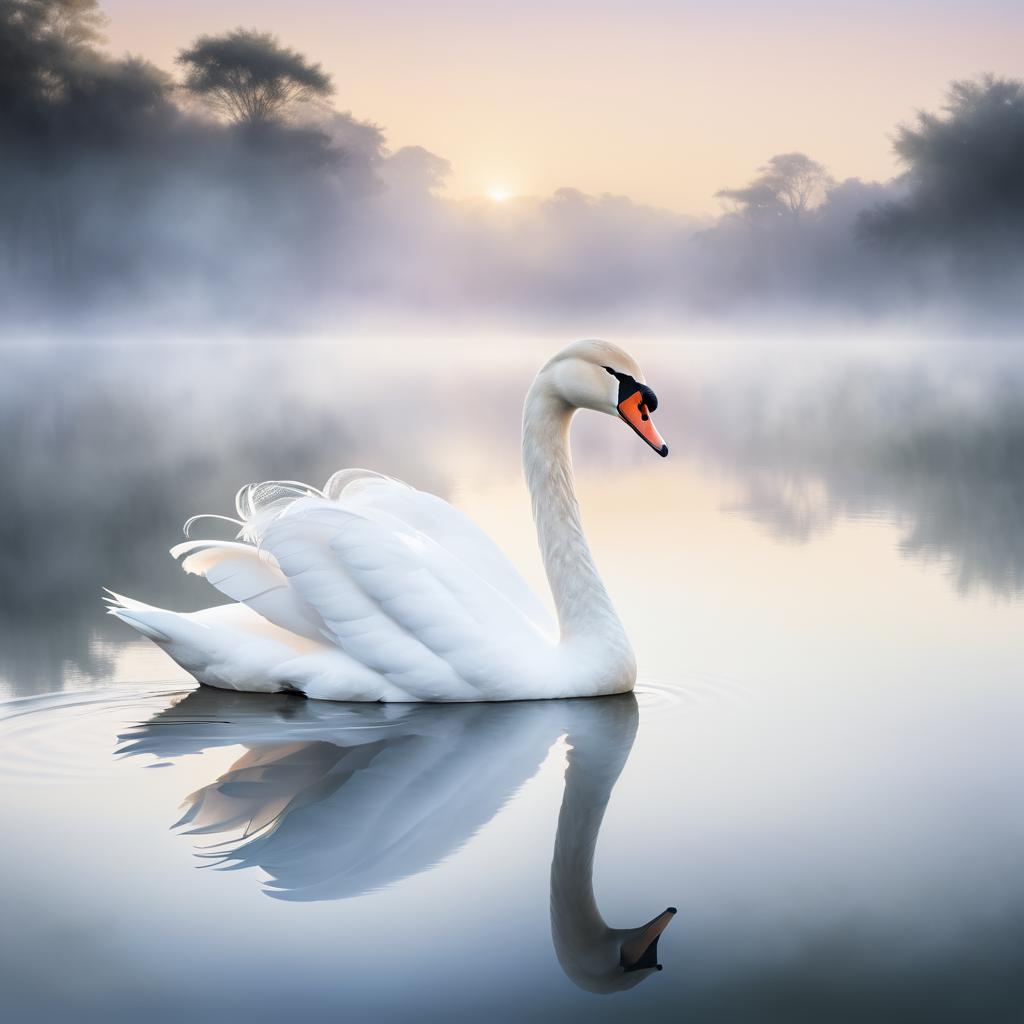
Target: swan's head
<point x="601" y="959"/>
<point x="639" y="950"/>
<point x="601" y="376"/>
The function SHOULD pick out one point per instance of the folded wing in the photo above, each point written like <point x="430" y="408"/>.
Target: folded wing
<point x="398" y="580"/>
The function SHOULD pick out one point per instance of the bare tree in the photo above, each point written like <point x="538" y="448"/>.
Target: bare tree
<point x="249" y="77"/>
<point x="789" y="183"/>
<point x="800" y="182"/>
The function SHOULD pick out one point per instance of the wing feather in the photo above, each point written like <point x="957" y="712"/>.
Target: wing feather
<point x="377" y="496"/>
<point x="251" y="576"/>
<point x="395" y="599"/>
<point x="352" y="617"/>
<point x="395" y="579"/>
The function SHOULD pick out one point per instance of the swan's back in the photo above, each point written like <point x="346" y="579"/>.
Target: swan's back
<point x="366" y="590"/>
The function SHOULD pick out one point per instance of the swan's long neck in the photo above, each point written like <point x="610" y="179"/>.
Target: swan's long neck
<point x="583" y="605"/>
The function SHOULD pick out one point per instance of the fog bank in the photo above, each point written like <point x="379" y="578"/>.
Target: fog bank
<point x="133" y="200"/>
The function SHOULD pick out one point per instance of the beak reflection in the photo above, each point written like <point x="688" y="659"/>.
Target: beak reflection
<point x="641" y="951"/>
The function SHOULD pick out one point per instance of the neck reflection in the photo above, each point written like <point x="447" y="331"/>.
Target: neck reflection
<point x="333" y="801"/>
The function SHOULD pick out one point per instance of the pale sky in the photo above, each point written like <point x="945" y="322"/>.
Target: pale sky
<point x="663" y="101"/>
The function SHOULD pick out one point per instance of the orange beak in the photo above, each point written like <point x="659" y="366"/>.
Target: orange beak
<point x="635" y="412"/>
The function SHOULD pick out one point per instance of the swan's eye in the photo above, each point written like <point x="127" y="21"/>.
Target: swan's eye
<point x="628" y="386"/>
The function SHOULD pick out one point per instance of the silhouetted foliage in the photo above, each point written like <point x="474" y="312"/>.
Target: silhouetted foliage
<point x="249" y="77"/>
<point x="67" y="111"/>
<point x="965" y="170"/>
<point x="110" y="194"/>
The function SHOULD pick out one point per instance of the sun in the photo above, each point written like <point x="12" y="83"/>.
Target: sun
<point x="499" y="193"/>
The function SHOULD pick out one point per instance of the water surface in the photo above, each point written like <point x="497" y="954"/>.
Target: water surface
<point x="820" y="769"/>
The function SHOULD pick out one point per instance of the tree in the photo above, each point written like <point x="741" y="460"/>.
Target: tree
<point x="41" y="43"/>
<point x="964" y="172"/>
<point x="789" y="183"/>
<point x="757" y="200"/>
<point x="49" y="72"/>
<point x="72" y="22"/>
<point x="249" y="77"/>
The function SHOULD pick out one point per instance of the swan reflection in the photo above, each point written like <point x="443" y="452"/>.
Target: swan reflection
<point x="336" y="800"/>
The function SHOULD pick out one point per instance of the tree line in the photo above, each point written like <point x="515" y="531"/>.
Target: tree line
<point x="235" y="191"/>
<point x="111" y="187"/>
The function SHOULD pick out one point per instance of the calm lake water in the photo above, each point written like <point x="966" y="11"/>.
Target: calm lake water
<point x="821" y="769"/>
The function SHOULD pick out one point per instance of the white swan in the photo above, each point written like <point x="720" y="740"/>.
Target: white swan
<point x="370" y="590"/>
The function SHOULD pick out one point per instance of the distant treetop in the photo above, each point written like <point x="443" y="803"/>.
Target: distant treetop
<point x="249" y="77"/>
<point x="789" y="183"/>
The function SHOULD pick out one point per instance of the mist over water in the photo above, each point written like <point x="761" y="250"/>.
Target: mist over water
<point x="112" y="447"/>
<point x="931" y="440"/>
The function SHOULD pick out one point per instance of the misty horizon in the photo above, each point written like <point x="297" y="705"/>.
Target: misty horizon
<point x="132" y="198"/>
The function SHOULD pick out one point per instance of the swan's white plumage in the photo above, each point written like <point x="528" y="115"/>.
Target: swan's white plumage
<point x="371" y="590"/>
<point x="250" y="575"/>
<point x="396" y="594"/>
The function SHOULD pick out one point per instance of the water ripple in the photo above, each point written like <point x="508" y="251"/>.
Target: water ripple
<point x="55" y="737"/>
<point x="693" y="689"/>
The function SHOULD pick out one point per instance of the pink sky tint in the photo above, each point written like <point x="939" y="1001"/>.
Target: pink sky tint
<point x="663" y="101"/>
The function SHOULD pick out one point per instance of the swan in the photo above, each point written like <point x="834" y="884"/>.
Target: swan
<point x="370" y="590"/>
<point x="337" y="801"/>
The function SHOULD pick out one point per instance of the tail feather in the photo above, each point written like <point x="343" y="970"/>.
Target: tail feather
<point x="119" y="600"/>
<point x="136" y="614"/>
